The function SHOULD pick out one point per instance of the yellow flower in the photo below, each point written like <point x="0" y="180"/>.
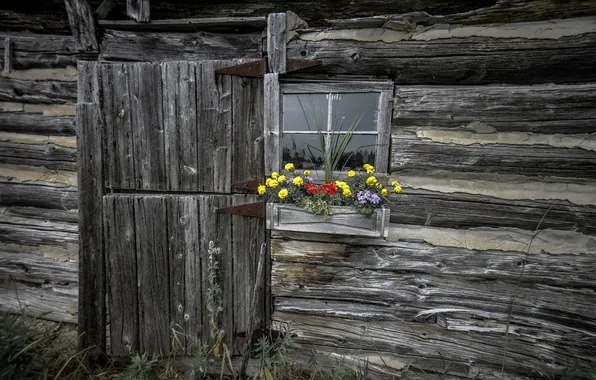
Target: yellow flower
<point x="351" y="173"/>
<point x="347" y="192"/>
<point x="366" y="166"/>
<point x="307" y="172"/>
<point x="340" y="183"/>
<point x="298" y="181"/>
<point x="268" y="181"/>
<point x="379" y="186"/>
<point x="274" y="175"/>
<point x="394" y="183"/>
<point x="262" y="189"/>
<point x="370" y="169"/>
<point x="371" y="181"/>
<point x="384" y="192"/>
<point x="273" y="184"/>
<point x="289" y="167"/>
<point x="397" y="189"/>
<point x="281" y="179"/>
<point x="283" y="194"/>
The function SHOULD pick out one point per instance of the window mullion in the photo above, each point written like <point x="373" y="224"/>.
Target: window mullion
<point x="329" y="123"/>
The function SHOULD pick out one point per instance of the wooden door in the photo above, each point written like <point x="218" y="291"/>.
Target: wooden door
<point x="177" y="136"/>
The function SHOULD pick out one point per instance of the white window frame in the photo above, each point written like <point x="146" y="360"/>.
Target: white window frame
<point x="274" y="129"/>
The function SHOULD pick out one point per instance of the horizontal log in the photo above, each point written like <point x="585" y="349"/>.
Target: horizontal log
<point x="562" y="109"/>
<point x="47" y="92"/>
<point x="31" y="231"/>
<point x="410" y="153"/>
<point x="454" y="61"/>
<point x="21" y="122"/>
<point x="32" y="268"/>
<point x="38" y="194"/>
<point x="27" y="173"/>
<point x="408" y="257"/>
<point x="459" y="210"/>
<point x="43" y="213"/>
<point x="42" y="50"/>
<point x="214" y="24"/>
<point x="51" y="302"/>
<point x="147" y="46"/>
<point x="483" y="353"/>
<point x="51" y="156"/>
<point x="68" y="74"/>
<point x="44" y="109"/>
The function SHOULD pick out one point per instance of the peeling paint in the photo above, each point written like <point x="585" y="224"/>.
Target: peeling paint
<point x="478" y="133"/>
<point x="21" y="138"/>
<point x="501" y="239"/>
<point x="551" y="29"/>
<point x="69" y="74"/>
<point x="26" y="173"/>
<point x="502" y="186"/>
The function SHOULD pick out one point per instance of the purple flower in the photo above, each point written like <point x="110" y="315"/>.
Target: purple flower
<point x="367" y="196"/>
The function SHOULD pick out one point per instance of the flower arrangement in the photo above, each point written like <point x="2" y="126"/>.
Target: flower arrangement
<point x="361" y="190"/>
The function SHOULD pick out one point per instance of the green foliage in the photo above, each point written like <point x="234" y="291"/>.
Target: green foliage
<point x="273" y="353"/>
<point x="141" y="368"/>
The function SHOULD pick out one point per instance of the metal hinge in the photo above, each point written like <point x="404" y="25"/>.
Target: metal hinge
<point x="255" y="210"/>
<point x="251" y="186"/>
<point x="258" y="68"/>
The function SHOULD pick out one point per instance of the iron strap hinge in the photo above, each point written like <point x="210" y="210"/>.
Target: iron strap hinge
<point x="251" y="186"/>
<point x="258" y="68"/>
<point x="255" y="210"/>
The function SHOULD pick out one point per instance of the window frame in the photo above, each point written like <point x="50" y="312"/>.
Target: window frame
<point x="384" y="113"/>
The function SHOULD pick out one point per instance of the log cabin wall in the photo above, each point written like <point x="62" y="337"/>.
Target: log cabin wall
<point x="489" y="263"/>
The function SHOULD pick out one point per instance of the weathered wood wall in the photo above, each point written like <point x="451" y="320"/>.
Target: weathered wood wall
<point x="493" y="141"/>
<point x="38" y="179"/>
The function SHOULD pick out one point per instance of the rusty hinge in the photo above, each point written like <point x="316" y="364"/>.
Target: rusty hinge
<point x="256" y="210"/>
<point x="253" y="69"/>
<point x="300" y="64"/>
<point x="248" y="185"/>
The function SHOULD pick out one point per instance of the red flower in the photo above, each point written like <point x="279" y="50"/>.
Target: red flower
<point x="311" y="188"/>
<point x="330" y="188"/>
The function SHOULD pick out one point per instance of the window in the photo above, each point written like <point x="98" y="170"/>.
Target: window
<point x="318" y="117"/>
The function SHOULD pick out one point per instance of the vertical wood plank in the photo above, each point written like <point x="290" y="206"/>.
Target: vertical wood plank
<point x="276" y="42"/>
<point x="214" y="100"/>
<point x="82" y="24"/>
<point x="152" y="268"/>
<point x="138" y="10"/>
<point x="180" y="125"/>
<point x="91" y="254"/>
<point x="88" y="82"/>
<point x="185" y="272"/>
<point x="147" y="124"/>
<point x="116" y="108"/>
<point x="271" y="123"/>
<point x="217" y="228"/>
<point x="7" y="55"/>
<point x="384" y="125"/>
<point x="119" y="232"/>
<point x="247" y="106"/>
<point x="247" y="236"/>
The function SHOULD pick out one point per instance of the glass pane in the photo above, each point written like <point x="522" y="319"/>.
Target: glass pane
<point x="360" y="150"/>
<point x="304" y="150"/>
<point x="358" y="109"/>
<point x="304" y="112"/>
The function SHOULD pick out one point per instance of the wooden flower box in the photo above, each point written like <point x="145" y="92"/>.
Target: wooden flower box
<point x="344" y="220"/>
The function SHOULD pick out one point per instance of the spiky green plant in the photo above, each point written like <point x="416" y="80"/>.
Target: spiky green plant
<point x="141" y="367"/>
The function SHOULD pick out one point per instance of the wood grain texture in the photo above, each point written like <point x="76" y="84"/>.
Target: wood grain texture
<point x="41" y="50"/>
<point x="247" y="119"/>
<point x="35" y="269"/>
<point x="7" y="56"/>
<point x="138" y="10"/>
<point x="217" y="227"/>
<point x="271" y="123"/>
<point x="117" y="111"/>
<point x="82" y="24"/>
<point x="88" y="82"/>
<point x="247" y="236"/>
<point x="43" y="213"/>
<point x="51" y="156"/>
<point x="448" y="61"/>
<point x="160" y="47"/>
<point x="276" y="42"/>
<point x="459" y="210"/>
<point x="38" y="194"/>
<point x="562" y="109"/>
<point x="21" y="122"/>
<point x="214" y="112"/>
<point x="180" y="125"/>
<point x="410" y="153"/>
<point x="145" y="88"/>
<point x="152" y="258"/>
<point x="27" y="231"/>
<point x="47" y="92"/>
<point x="186" y="306"/>
<point x="211" y="24"/>
<point x="121" y="279"/>
<point x="92" y="261"/>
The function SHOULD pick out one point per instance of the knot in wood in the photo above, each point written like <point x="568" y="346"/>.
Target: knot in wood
<point x="355" y="57"/>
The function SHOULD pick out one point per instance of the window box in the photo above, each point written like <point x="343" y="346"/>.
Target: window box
<point x="344" y="220"/>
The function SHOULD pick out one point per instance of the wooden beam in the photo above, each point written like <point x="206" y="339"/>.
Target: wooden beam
<point x="271" y="123"/>
<point x="138" y="10"/>
<point x="35" y="123"/>
<point x="102" y="10"/>
<point x="82" y="24"/>
<point x="276" y="42"/>
<point x="7" y="55"/>
<point x="221" y="24"/>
